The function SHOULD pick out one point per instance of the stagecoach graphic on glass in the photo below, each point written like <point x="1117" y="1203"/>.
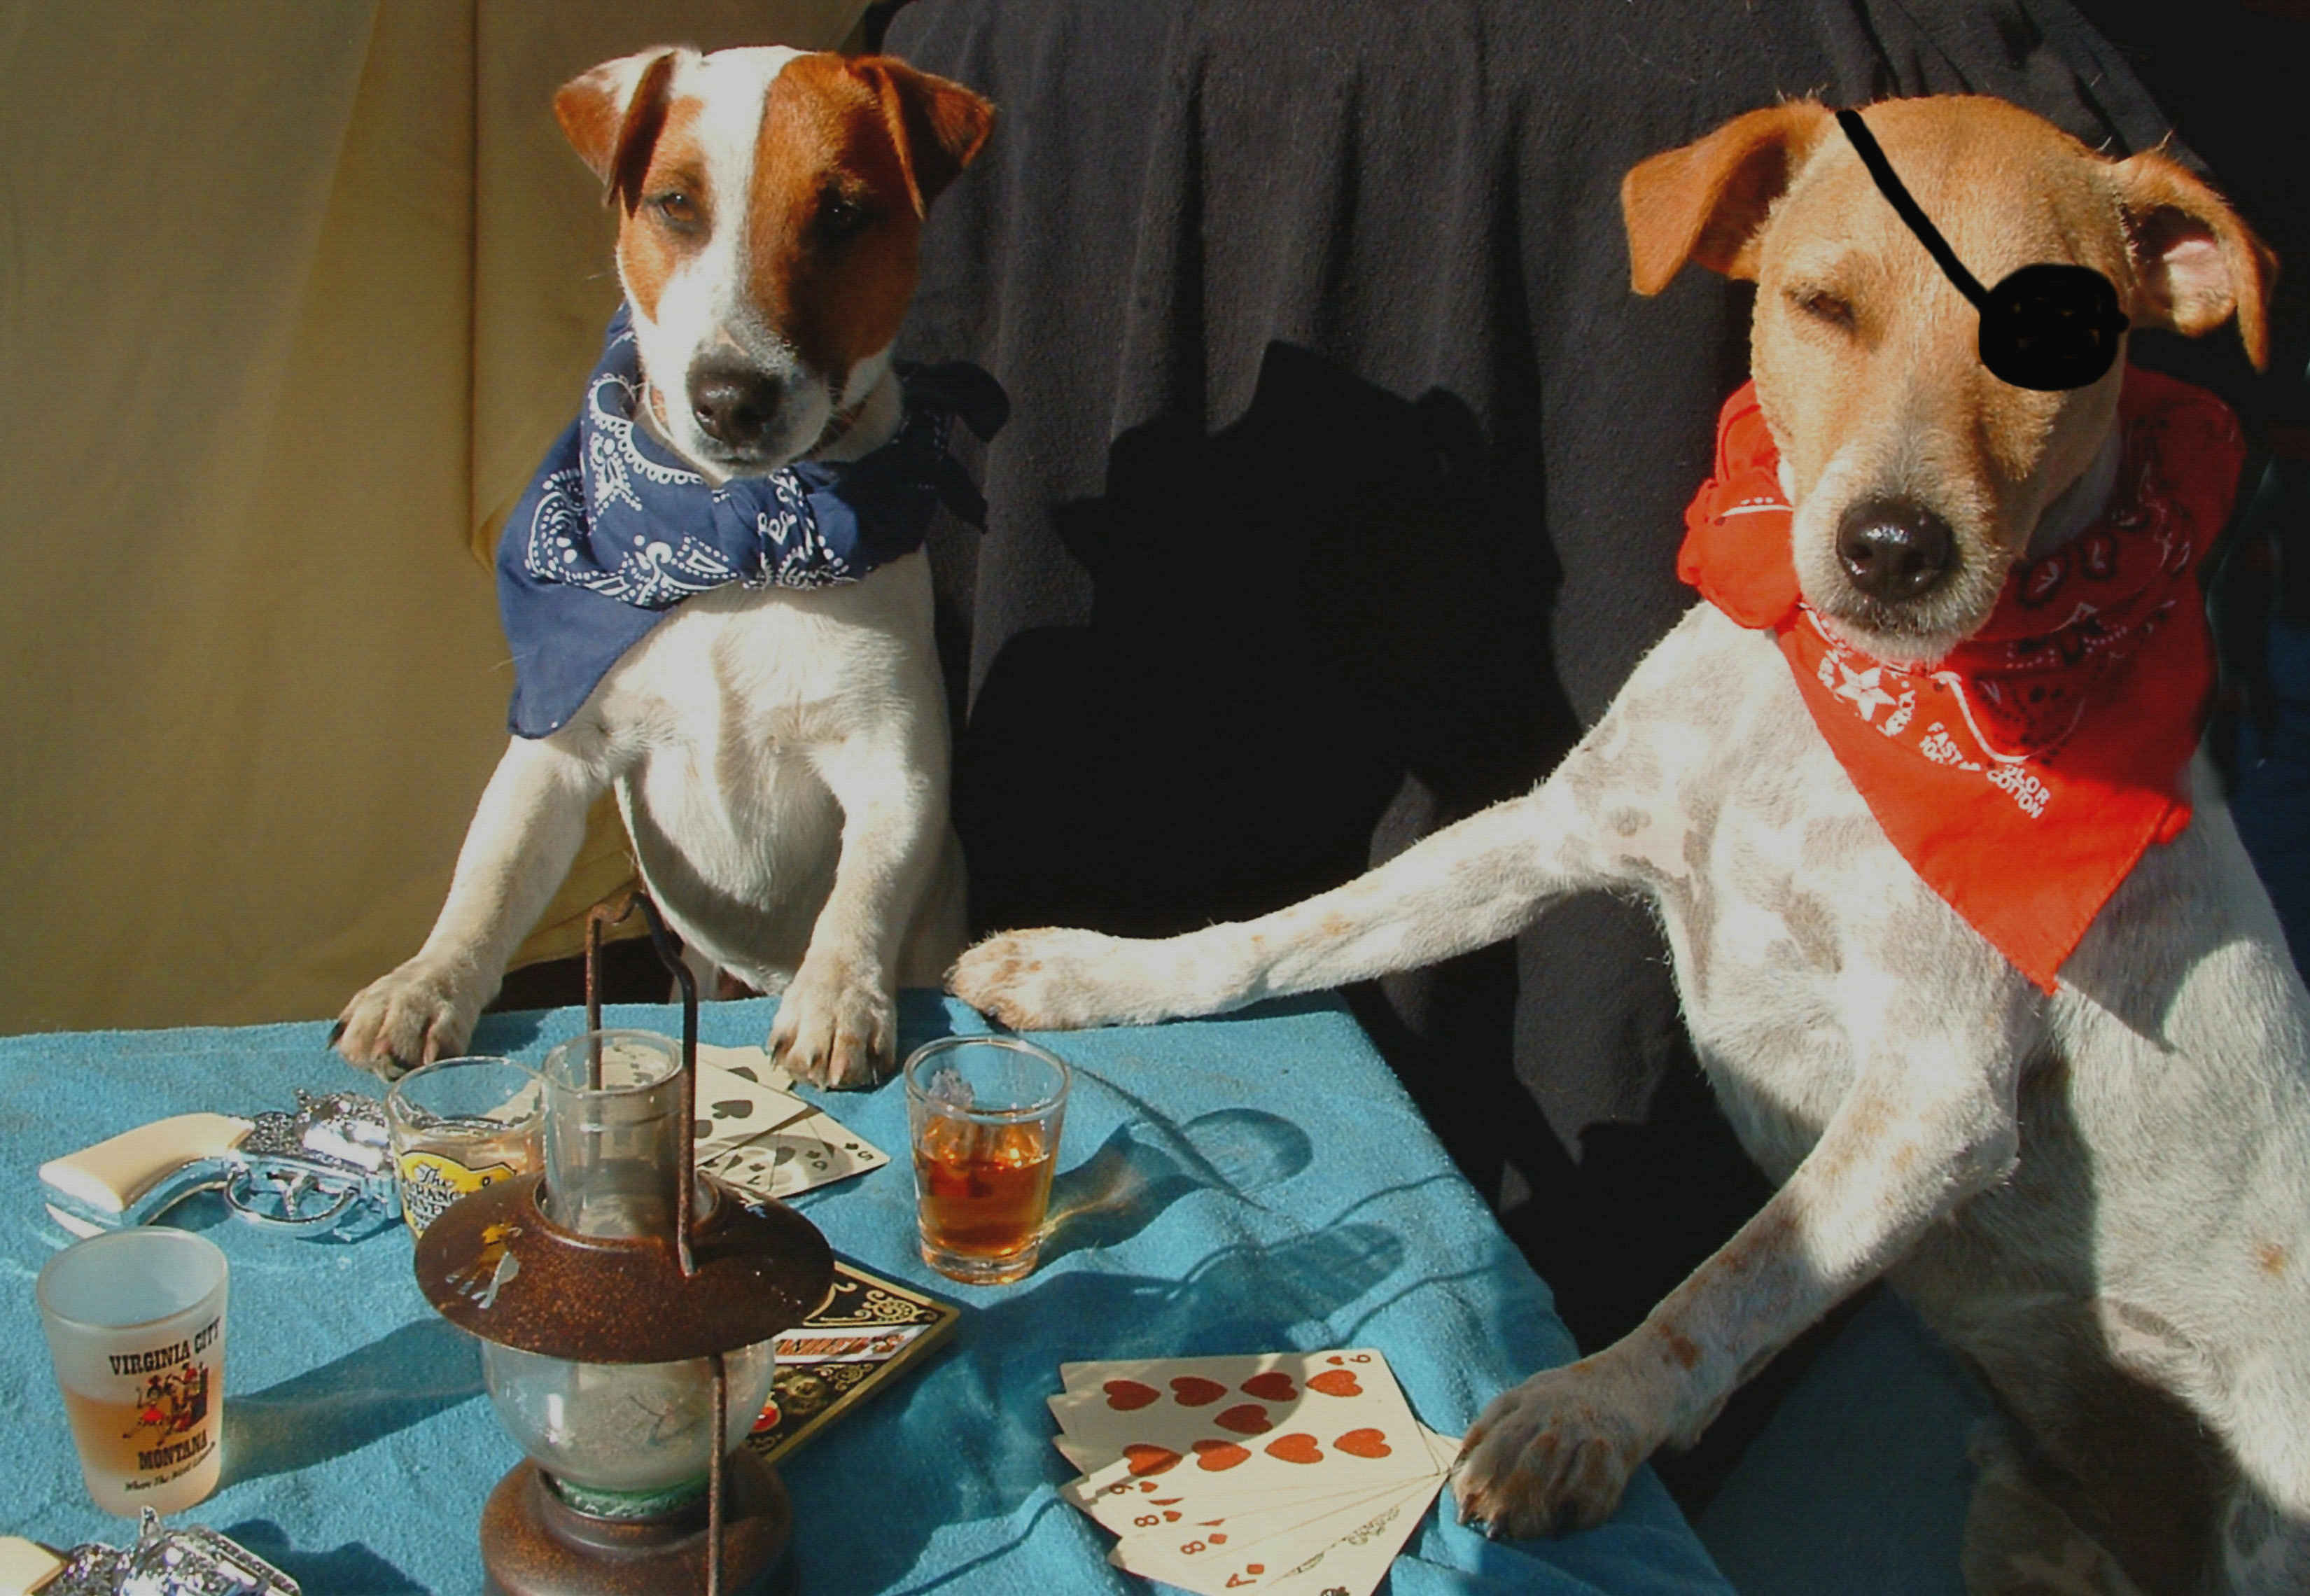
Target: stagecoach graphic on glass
<point x="171" y="1405"/>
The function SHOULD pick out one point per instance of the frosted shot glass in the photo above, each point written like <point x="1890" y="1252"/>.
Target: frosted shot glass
<point x="459" y="1125"/>
<point x="135" y="1327"/>
<point x="983" y="1117"/>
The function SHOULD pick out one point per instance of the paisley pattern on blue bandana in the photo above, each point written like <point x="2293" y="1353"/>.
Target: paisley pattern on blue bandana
<point x="615" y="530"/>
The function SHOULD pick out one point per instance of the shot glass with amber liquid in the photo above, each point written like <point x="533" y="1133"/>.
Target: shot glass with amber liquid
<point x="983" y="1115"/>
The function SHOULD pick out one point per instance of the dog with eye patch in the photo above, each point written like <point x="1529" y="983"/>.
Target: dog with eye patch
<point x="1964" y="935"/>
<point x="717" y="601"/>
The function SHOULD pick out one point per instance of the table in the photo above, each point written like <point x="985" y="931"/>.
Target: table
<point x="1236" y="1184"/>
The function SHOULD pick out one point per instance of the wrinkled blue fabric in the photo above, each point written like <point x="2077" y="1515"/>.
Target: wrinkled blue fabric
<point x="615" y="530"/>
<point x="1226" y="1185"/>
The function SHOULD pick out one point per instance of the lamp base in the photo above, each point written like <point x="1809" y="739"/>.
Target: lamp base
<point x="534" y="1544"/>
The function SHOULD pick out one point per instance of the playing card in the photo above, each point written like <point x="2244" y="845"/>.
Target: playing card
<point x="1341" y="1544"/>
<point x="736" y="1105"/>
<point x="804" y="1153"/>
<point x="750" y="1063"/>
<point x="1230" y="1427"/>
<point x="1355" y="1564"/>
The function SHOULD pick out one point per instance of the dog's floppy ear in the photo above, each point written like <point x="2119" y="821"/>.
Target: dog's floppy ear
<point x="938" y="126"/>
<point x="1707" y="201"/>
<point x="2196" y="263"/>
<point x="612" y="116"/>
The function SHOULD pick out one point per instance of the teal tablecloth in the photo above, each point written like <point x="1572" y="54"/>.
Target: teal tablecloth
<point x="1253" y="1183"/>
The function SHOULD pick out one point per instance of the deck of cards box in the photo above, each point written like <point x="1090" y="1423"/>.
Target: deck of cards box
<point x="1291" y="1473"/>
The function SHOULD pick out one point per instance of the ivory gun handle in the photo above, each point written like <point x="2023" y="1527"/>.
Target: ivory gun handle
<point x="111" y="1175"/>
<point x="25" y="1566"/>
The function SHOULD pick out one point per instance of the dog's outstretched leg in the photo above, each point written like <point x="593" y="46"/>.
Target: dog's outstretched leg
<point x="529" y="826"/>
<point x="1928" y="1121"/>
<point x="1467" y="886"/>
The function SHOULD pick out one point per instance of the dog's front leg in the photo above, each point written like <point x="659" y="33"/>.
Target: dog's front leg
<point x="1468" y="885"/>
<point x="529" y="826"/>
<point x="1925" y="1126"/>
<point x="837" y="1022"/>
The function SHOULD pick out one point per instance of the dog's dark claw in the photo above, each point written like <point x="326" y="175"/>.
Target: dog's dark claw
<point x="335" y="1032"/>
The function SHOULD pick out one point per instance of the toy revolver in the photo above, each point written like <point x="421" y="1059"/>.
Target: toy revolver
<point x="182" y="1560"/>
<point x="323" y="1168"/>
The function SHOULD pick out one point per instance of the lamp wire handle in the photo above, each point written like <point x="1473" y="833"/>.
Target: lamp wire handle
<point x="715" y="1483"/>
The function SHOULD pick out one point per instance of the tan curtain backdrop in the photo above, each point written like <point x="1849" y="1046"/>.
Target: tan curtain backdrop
<point x="292" y="296"/>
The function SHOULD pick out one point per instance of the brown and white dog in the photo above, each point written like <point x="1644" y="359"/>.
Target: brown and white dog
<point x="2099" y="1194"/>
<point x="780" y="756"/>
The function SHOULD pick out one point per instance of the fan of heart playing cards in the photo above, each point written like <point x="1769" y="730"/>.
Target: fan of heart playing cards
<point x="1291" y="1473"/>
<point x="756" y="1135"/>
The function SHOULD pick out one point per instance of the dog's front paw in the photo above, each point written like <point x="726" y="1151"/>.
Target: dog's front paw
<point x="423" y="1011"/>
<point x="1054" y="980"/>
<point x="1551" y="1456"/>
<point x="835" y="1029"/>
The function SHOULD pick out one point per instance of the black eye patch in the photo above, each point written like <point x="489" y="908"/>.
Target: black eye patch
<point x="2048" y="327"/>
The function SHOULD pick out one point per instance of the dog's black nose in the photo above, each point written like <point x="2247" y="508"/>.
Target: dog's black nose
<point x="1893" y="549"/>
<point x="734" y="402"/>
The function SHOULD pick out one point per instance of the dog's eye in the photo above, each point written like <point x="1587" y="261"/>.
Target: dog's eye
<point x="677" y="209"/>
<point x="1822" y="306"/>
<point x="840" y="217"/>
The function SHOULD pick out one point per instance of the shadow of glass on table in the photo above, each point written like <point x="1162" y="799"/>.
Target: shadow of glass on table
<point x="1147" y="1163"/>
<point x="401" y="1378"/>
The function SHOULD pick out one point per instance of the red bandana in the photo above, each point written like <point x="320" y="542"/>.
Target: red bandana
<point x="2023" y="775"/>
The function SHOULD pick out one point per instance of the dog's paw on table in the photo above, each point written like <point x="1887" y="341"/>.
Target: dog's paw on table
<point x="833" y="1029"/>
<point x="1549" y="1456"/>
<point x="1057" y="980"/>
<point x="419" y="1012"/>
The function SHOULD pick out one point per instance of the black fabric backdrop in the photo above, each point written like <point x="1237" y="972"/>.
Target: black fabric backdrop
<point x="1344" y="485"/>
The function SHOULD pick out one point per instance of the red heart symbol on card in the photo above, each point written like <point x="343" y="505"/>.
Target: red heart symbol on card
<point x="1124" y="1395"/>
<point x="1218" y="1540"/>
<point x="1216" y="1455"/>
<point x="1148" y="1460"/>
<point x="1244" y="1418"/>
<point x="1254" y="1568"/>
<point x="1336" y="1357"/>
<point x="1364" y="1444"/>
<point x="1273" y="1386"/>
<point x="1171" y="1515"/>
<point x="1336" y="1382"/>
<point x="1194" y="1392"/>
<point x="1296" y="1448"/>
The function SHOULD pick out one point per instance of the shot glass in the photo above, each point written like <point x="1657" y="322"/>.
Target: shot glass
<point x="135" y="1326"/>
<point x="459" y="1125"/>
<point x="983" y="1116"/>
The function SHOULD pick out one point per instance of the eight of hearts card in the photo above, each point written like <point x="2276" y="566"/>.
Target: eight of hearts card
<point x="1294" y="1472"/>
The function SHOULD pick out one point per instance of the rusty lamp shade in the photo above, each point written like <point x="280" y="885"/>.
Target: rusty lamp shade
<point x="626" y="1306"/>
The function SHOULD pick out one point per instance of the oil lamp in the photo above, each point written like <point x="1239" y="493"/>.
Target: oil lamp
<point x="626" y="1306"/>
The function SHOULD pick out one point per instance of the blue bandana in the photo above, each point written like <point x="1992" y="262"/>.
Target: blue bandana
<point x="615" y="530"/>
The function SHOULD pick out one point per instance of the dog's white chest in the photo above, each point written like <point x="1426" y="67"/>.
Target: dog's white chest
<point x="1787" y="910"/>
